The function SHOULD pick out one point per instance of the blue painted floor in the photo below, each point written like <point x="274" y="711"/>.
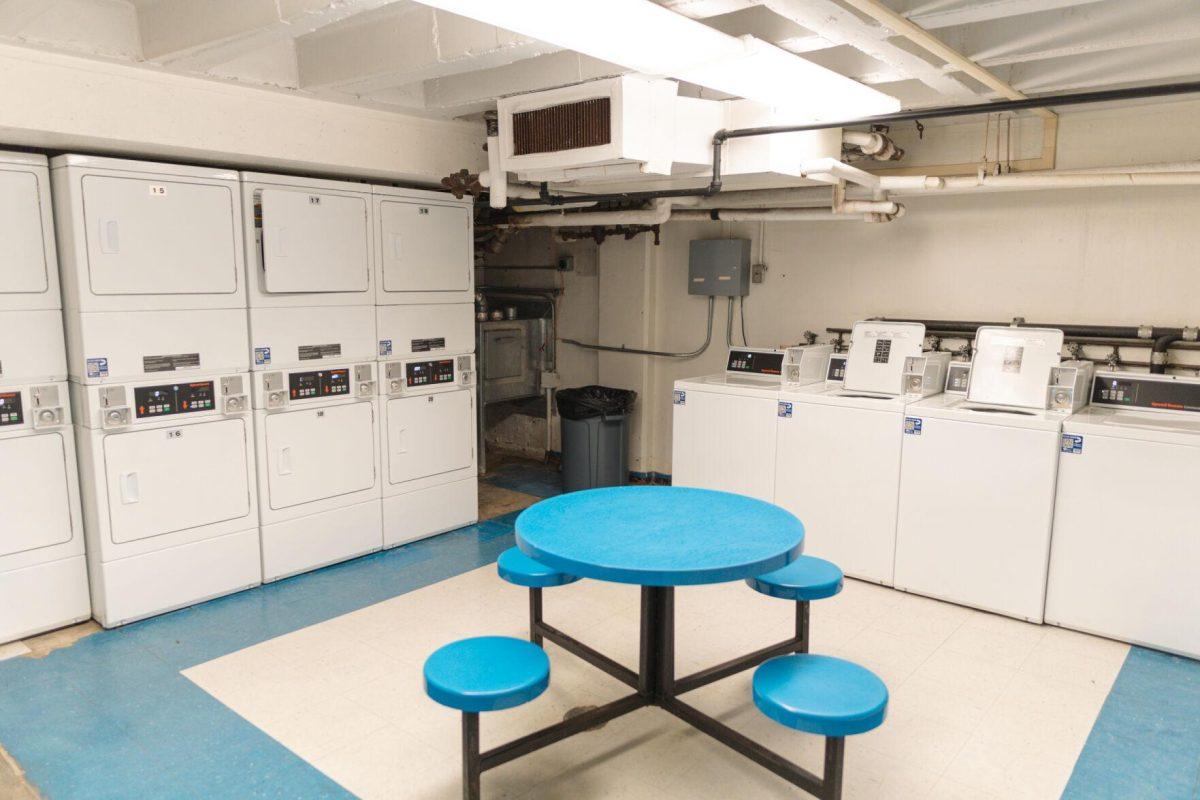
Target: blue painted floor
<point x="111" y="717"/>
<point x="1146" y="741"/>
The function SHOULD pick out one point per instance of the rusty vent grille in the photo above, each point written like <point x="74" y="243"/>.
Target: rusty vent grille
<point x="566" y="127"/>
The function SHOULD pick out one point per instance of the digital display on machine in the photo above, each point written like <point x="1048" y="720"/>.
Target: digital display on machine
<point x="322" y="383"/>
<point x="428" y="373"/>
<point x="10" y="409"/>
<point x="1134" y="392"/>
<point x="755" y="363"/>
<point x="174" y="398"/>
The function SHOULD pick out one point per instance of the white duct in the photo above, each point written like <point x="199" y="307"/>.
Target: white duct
<point x="838" y="170"/>
<point x="497" y="194"/>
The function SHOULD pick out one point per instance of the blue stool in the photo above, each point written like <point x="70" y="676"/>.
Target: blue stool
<point x="823" y="695"/>
<point x="487" y="673"/>
<point x="516" y="567"/>
<point x="805" y="579"/>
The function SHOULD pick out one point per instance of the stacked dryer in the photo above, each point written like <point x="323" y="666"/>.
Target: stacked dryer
<point x="154" y="288"/>
<point x="838" y="454"/>
<point x="312" y="328"/>
<point x="43" y="577"/>
<point x="424" y="276"/>
<point x="978" y="476"/>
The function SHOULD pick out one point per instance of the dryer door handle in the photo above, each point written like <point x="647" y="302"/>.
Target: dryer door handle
<point x="401" y="442"/>
<point x="110" y="238"/>
<point x="284" y="462"/>
<point x="130" y="491"/>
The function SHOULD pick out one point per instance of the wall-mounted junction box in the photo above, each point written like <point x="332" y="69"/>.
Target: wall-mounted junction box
<point x="719" y="267"/>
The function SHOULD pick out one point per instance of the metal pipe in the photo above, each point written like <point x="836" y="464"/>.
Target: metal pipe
<point x="770" y="215"/>
<point x="637" y="352"/>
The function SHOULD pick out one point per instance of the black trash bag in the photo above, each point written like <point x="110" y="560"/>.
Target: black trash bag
<point x="586" y="402"/>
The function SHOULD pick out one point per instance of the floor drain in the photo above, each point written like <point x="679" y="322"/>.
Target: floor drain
<point x="578" y="710"/>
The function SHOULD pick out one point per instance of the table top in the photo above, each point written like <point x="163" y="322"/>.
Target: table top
<point x="660" y="535"/>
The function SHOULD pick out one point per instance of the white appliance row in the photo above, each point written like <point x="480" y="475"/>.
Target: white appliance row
<point x="233" y="423"/>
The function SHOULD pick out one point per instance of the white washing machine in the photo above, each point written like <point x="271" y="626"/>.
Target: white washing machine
<point x="838" y="453"/>
<point x="978" y="474"/>
<point x="317" y="438"/>
<point x="424" y="249"/>
<point x="428" y="439"/>
<point x="153" y="277"/>
<point x="1125" y="555"/>
<point x="43" y="574"/>
<point x="311" y="284"/>
<point x="723" y="425"/>
<point x="170" y="508"/>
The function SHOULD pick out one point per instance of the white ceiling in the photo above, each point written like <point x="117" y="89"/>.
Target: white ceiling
<point x="400" y="55"/>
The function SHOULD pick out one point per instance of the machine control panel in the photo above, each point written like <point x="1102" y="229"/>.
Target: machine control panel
<point x="836" y="373"/>
<point x="958" y="377"/>
<point x="745" y="361"/>
<point x="429" y="373"/>
<point x="11" y="412"/>
<point x="174" y="398"/>
<point x="321" y="383"/>
<point x="1135" y="391"/>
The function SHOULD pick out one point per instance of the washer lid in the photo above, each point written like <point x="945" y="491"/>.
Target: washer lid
<point x="957" y="408"/>
<point x="1012" y="366"/>
<point x="877" y="352"/>
<point x="1148" y="426"/>
<point x="730" y="384"/>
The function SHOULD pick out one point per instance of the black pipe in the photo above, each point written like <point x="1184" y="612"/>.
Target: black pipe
<point x="1079" y="98"/>
<point x="1158" y="354"/>
<point x="938" y="112"/>
<point x="1098" y="331"/>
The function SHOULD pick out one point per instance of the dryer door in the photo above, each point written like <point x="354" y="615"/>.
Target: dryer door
<point x="165" y="480"/>
<point x="429" y="435"/>
<point x="137" y="226"/>
<point x="22" y="240"/>
<point x="33" y="493"/>
<point x="425" y="247"/>
<point x="313" y="242"/>
<point x="318" y="453"/>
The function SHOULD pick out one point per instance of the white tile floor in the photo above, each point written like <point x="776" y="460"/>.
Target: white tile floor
<point x="981" y="706"/>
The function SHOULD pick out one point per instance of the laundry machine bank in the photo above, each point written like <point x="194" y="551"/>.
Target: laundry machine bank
<point x="723" y="425"/>
<point x="978" y="475"/>
<point x="43" y="575"/>
<point x="1125" y="555"/>
<point x="838" y="456"/>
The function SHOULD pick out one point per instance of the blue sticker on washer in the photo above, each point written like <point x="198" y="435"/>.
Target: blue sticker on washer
<point x="262" y="356"/>
<point x="912" y="426"/>
<point x="785" y="409"/>
<point x="97" y="367"/>
<point x="1072" y="444"/>
<point x="385" y="347"/>
<point x="680" y="397"/>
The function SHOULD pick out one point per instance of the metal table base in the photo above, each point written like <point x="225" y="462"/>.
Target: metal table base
<point x="655" y="684"/>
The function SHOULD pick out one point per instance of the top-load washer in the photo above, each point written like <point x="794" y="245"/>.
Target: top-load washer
<point x="978" y="474"/>
<point x="1125" y="555"/>
<point x="723" y="425"/>
<point x="152" y="269"/>
<point x="838" y="453"/>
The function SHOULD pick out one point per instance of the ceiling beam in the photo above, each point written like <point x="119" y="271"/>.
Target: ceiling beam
<point x="417" y="44"/>
<point x="835" y="24"/>
<point x="473" y="92"/>
<point x="194" y="36"/>
<point x="934" y="14"/>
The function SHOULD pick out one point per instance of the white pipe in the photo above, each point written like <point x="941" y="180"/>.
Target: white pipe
<point x="1042" y="180"/>
<point x="770" y="215"/>
<point x="869" y="143"/>
<point x="497" y="194"/>
<point x="838" y="169"/>
<point x="893" y="182"/>
<point x="867" y="207"/>
<point x="657" y="215"/>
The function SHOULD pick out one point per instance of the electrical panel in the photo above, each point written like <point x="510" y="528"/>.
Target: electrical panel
<point x="719" y="267"/>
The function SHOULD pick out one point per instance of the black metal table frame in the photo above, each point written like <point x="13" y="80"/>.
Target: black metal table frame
<point x="655" y="684"/>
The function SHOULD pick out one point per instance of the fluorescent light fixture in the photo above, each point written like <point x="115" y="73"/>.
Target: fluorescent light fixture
<point x="647" y="38"/>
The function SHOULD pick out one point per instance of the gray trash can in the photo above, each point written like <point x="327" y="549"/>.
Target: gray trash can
<point x="595" y="436"/>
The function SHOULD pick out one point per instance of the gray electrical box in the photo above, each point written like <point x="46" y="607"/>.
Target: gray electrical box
<point x="719" y="267"/>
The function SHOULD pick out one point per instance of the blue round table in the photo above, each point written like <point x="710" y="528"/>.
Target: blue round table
<point x="659" y="537"/>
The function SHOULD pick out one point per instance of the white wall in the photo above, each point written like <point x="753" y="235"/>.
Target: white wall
<point x="1114" y="256"/>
